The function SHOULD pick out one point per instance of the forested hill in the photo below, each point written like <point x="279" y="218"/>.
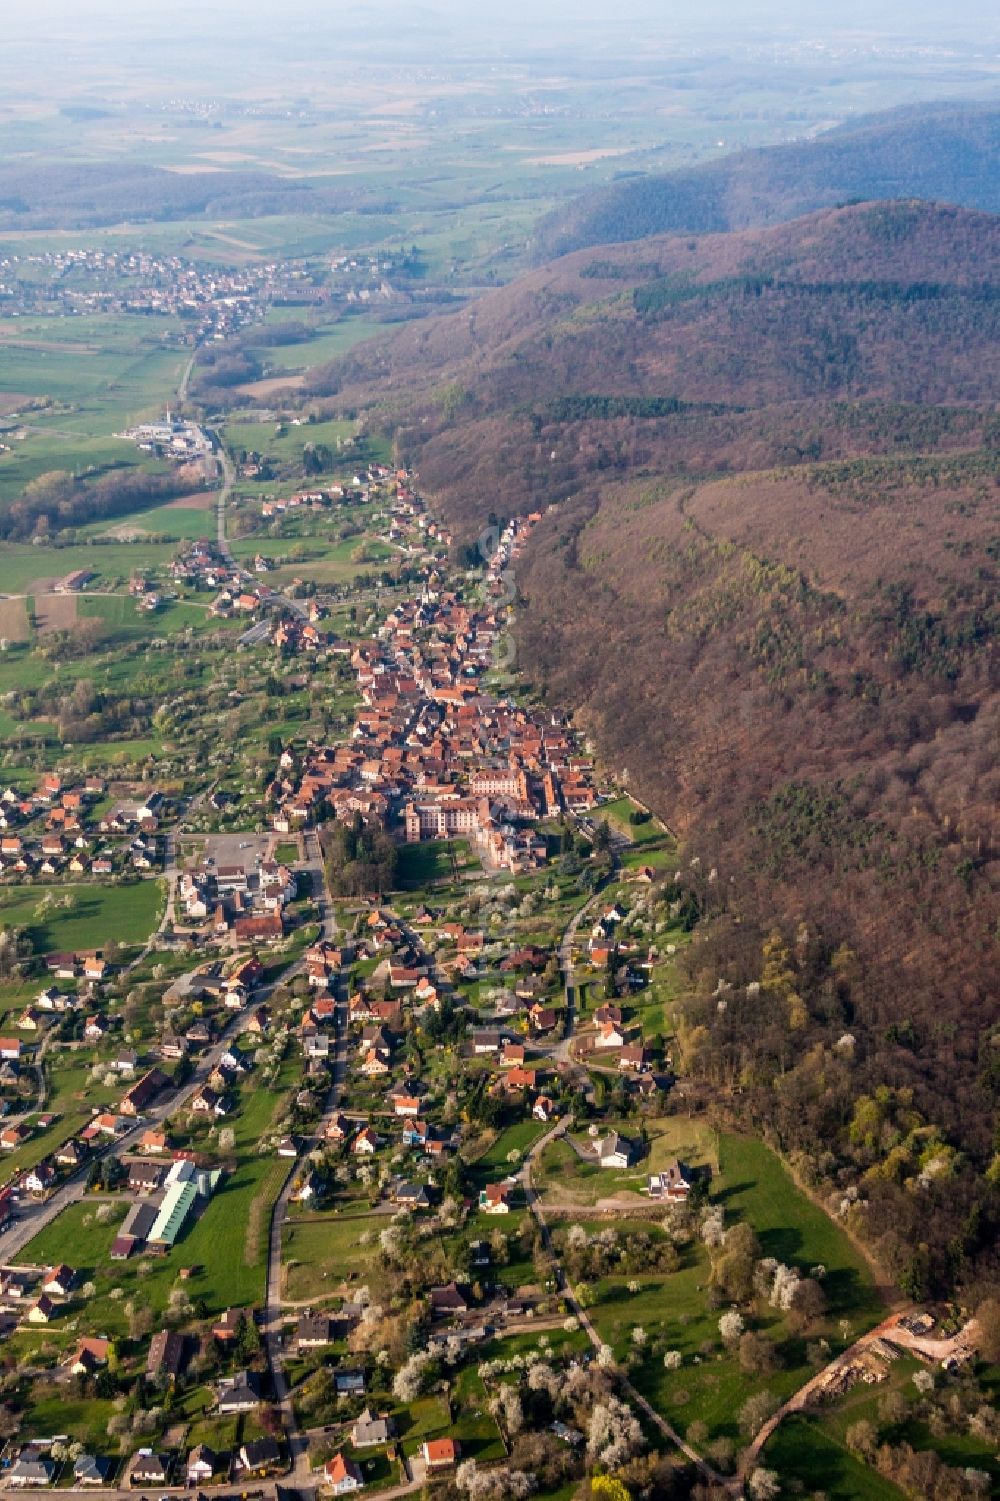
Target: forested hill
<point x="86" y="195"/>
<point x="770" y="590"/>
<point x="947" y="153"/>
<point x="831" y="336"/>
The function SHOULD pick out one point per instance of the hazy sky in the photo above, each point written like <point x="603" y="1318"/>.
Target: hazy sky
<point x="57" y="48"/>
<point x="519" y="20"/>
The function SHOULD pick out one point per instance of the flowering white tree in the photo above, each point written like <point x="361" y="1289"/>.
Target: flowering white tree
<point x="409" y="1379"/>
<point x="496" y="1484"/>
<point x="506" y="1406"/>
<point x="731" y="1326"/>
<point x="575" y="1237"/>
<point x="615" y="1434"/>
<point x="713" y="1231"/>
<point x="763" y="1485"/>
<point x="542" y="1378"/>
<point x="452" y="1352"/>
<point x="784" y="1287"/>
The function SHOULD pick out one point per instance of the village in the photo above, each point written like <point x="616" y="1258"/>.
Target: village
<point x="212" y="301"/>
<point x="319" y="1005"/>
<point x="298" y="1179"/>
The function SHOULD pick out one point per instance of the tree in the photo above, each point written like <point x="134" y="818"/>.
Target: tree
<point x="731" y="1326"/>
<point x="733" y="1267"/>
<point x="615" y="1433"/>
<point x="755" y="1412"/>
<point x="758" y="1354"/>
<point x="247" y="1339"/>
<point x="808" y="1303"/>
<point x="412" y="1377"/>
<point x="915" y="1278"/>
<point x="862" y="1438"/>
<point x="608" y="1488"/>
<point x="763" y="1485"/>
<point x="988" y="1319"/>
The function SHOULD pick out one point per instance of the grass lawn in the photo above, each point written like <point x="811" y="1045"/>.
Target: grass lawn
<point x="76" y="1237"/>
<point x="674" y="1311"/>
<point x="287" y="443"/>
<point x="800" y="1451"/>
<point x="425" y="1418"/>
<point x="326" y="343"/>
<point x="318" y="1254"/>
<point x="128" y="623"/>
<point x="434" y="860"/>
<point x="618" y="814"/>
<point x="218" y="1433"/>
<point x="754" y="1185"/>
<point x="83" y="1418"/>
<point x="92" y="916"/>
<point x="180" y="522"/>
<point x="519" y="1138"/>
<point x="559" y="1342"/>
<point x="564" y="1177"/>
<point x="24" y="565"/>
<point x="379" y="1471"/>
<point x="475" y="1429"/>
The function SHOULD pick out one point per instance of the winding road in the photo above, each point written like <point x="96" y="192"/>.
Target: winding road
<point x="298" y="1447"/>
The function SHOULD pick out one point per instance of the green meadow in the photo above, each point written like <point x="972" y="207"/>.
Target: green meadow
<point x="69" y="917"/>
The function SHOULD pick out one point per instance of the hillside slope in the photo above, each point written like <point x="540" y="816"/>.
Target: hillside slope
<point x="770" y="592"/>
<point x="85" y="195"/>
<point x="859" y="330"/>
<point x="949" y="153"/>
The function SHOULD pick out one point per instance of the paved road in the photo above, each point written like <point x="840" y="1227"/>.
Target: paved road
<point x="298" y="1444"/>
<point x="182" y="389"/>
<point x="561" y="1052"/>
<point x="274" y="597"/>
<point x="228" y="480"/>
<point x="34" y="1215"/>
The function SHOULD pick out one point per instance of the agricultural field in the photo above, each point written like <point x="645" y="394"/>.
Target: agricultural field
<point x="14" y="623"/>
<point x="325" y="343"/>
<point x="80" y="917"/>
<point x="321" y="1253"/>
<point x="284" y="442"/>
<point x="30" y="569"/>
<point x="86" y="379"/>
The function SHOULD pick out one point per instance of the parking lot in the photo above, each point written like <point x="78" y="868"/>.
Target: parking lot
<point x="237" y="849"/>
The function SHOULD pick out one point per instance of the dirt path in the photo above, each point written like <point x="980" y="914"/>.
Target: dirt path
<point x="891" y="1329"/>
<point x="668" y="1432"/>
